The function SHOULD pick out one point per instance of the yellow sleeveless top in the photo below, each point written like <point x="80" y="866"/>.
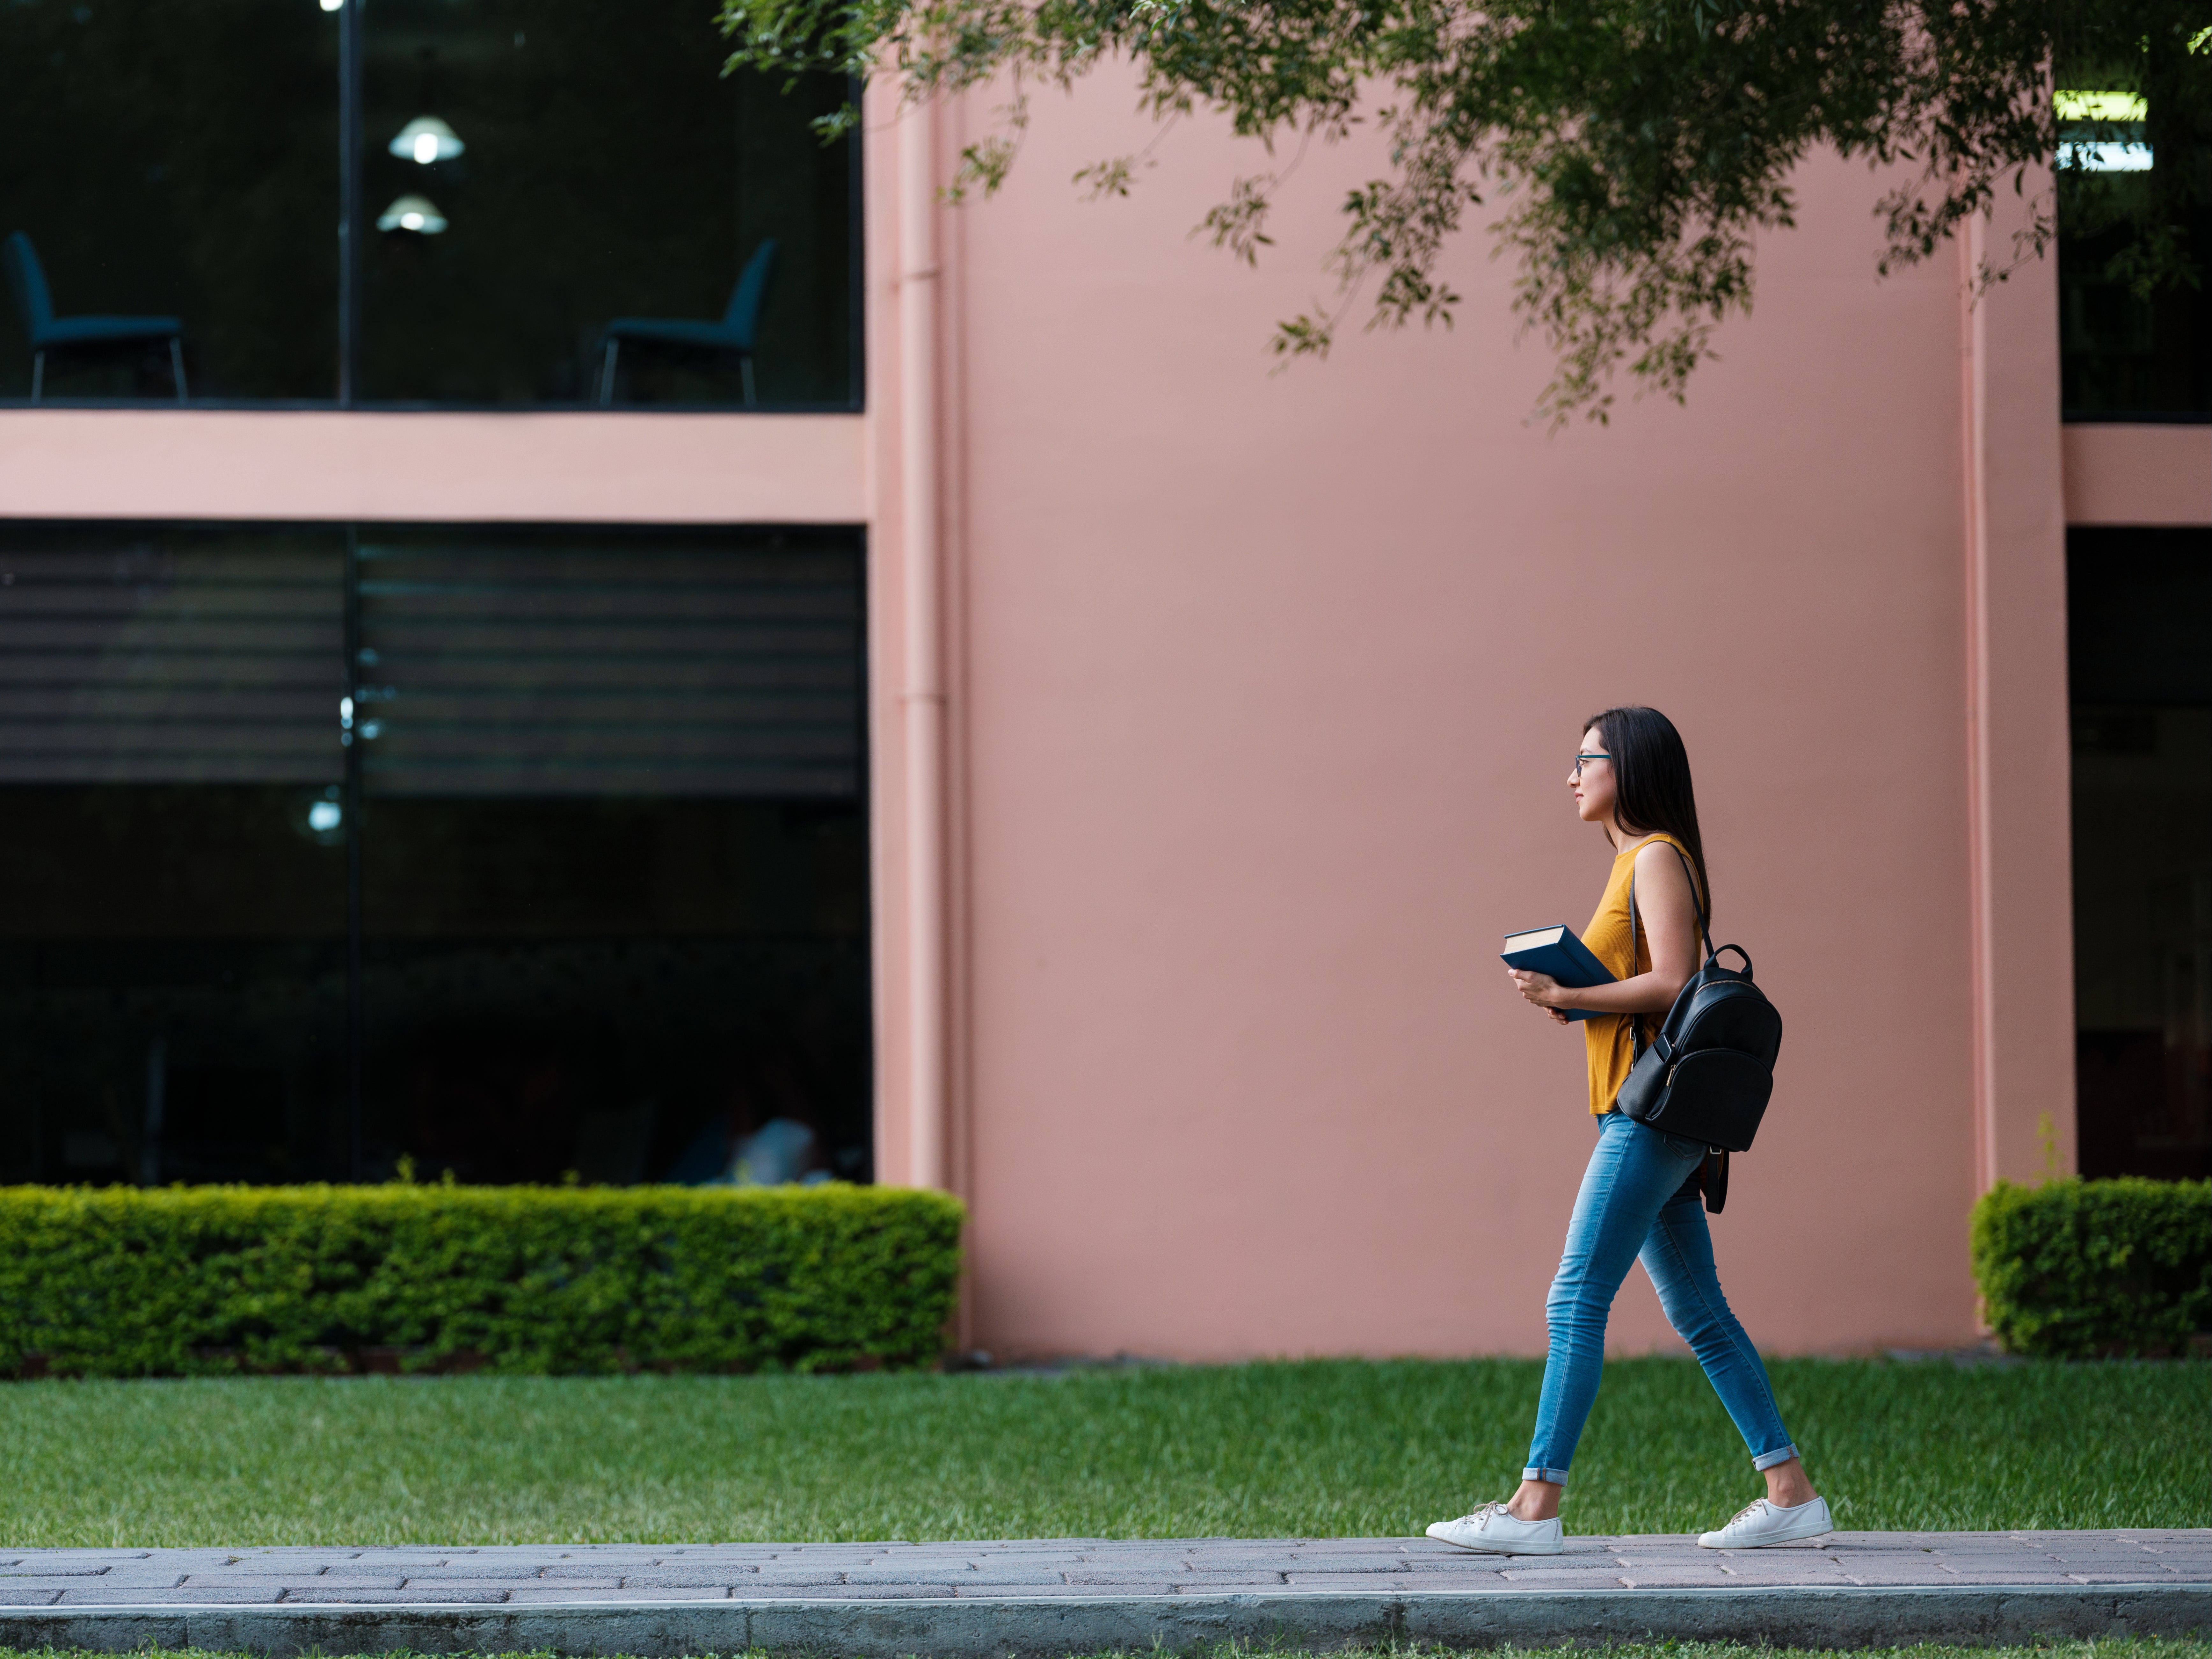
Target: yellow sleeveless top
<point x="1612" y="1046"/>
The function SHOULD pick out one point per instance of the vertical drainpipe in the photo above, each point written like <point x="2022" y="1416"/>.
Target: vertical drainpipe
<point x="1973" y="362"/>
<point x="921" y="696"/>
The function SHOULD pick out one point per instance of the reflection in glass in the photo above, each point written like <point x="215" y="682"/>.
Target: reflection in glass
<point x="607" y="985"/>
<point x="176" y="161"/>
<point x="418" y="214"/>
<point x="611" y="833"/>
<point x="2142" y="849"/>
<point x="171" y="922"/>
<point x="426" y="139"/>
<point x="530" y="173"/>
<point x="2135" y="224"/>
<point x="609" y="173"/>
<point x="616" y="854"/>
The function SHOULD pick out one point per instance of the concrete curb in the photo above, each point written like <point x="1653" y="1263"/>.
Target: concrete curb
<point x="1038" y="1627"/>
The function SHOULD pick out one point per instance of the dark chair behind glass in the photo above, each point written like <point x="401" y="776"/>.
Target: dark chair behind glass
<point x="34" y="304"/>
<point x="735" y="332"/>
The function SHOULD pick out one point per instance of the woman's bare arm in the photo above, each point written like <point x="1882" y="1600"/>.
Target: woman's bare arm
<point x="1670" y="923"/>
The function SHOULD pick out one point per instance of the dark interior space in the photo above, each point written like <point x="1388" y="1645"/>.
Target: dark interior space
<point x="585" y="163"/>
<point x="555" y="985"/>
<point x="584" y="897"/>
<point x="607" y="170"/>
<point x="2141" y="691"/>
<point x="2134" y="238"/>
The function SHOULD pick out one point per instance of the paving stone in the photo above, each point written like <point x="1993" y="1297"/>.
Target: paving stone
<point x="144" y="1583"/>
<point x="1332" y="1563"/>
<point x="772" y="1576"/>
<point x="45" y="1582"/>
<point x="244" y="1594"/>
<point x="540" y="1594"/>
<point x="2129" y="1575"/>
<point x="443" y="1589"/>
<point x="1343" y="1545"/>
<point x="686" y="1560"/>
<point x="556" y="1588"/>
<point x="669" y="1578"/>
<point x="55" y="1570"/>
<point x="20" y="1596"/>
<point x="826" y="1560"/>
<point x="1047" y="1592"/>
<point x="1572" y="1561"/>
<point x="404" y="1565"/>
<point x="1199" y="1581"/>
<point x="1671" y="1580"/>
<point x="350" y="1595"/>
<point x="1381" y="1584"/>
<point x="1558" y="1578"/>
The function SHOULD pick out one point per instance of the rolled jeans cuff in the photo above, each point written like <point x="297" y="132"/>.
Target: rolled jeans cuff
<point x="1558" y="1477"/>
<point x="1764" y="1461"/>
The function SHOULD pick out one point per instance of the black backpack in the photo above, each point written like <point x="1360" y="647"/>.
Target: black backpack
<point x="1708" y="1074"/>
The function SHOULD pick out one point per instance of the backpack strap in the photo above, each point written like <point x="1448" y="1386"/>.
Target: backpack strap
<point x="1712" y="1176"/>
<point x="1704" y="929"/>
<point x="1697" y="904"/>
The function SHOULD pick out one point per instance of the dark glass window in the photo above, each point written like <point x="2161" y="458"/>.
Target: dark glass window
<point x="2135" y="241"/>
<point x="604" y="171"/>
<point x="2141" y="691"/>
<point x="551" y="202"/>
<point x="585" y="890"/>
<point x="173" y="162"/>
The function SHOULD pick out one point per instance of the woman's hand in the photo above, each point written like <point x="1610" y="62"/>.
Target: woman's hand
<point x="1541" y="989"/>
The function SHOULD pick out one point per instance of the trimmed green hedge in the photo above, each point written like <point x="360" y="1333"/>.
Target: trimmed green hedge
<point x="2075" y="1269"/>
<point x="120" y="1281"/>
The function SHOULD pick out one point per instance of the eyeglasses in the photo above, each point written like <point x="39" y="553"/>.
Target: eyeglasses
<point x="1579" y="759"/>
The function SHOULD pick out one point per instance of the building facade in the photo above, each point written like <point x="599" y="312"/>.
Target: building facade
<point x="969" y="705"/>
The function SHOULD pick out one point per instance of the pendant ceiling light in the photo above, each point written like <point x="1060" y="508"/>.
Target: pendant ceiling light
<point x="418" y="214"/>
<point x="427" y="139"/>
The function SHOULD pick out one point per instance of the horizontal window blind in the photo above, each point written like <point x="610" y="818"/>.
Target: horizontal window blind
<point x="209" y="656"/>
<point x="567" y="663"/>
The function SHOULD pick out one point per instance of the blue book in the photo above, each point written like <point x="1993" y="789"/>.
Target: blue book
<point x="1556" y="952"/>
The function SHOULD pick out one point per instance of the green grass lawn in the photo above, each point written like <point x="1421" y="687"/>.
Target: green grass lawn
<point x="1316" y="1448"/>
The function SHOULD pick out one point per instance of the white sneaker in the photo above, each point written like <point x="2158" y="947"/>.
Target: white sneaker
<point x="1497" y="1530"/>
<point x="1760" y="1523"/>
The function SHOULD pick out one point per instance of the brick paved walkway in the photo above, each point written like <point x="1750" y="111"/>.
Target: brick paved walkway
<point x="1048" y="1598"/>
<point x="1049" y="1567"/>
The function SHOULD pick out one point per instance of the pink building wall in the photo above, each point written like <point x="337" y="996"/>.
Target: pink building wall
<point x="1259" y="697"/>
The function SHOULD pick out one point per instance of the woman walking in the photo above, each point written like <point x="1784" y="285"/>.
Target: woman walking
<point x="1641" y="1196"/>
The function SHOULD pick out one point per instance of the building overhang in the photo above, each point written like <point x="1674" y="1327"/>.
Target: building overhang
<point x="571" y="467"/>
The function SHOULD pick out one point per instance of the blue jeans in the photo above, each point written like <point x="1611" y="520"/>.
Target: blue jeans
<point x="1634" y="1205"/>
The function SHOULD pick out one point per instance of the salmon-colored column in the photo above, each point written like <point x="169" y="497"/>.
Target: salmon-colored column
<point x="921" y="698"/>
<point x="2019" y="783"/>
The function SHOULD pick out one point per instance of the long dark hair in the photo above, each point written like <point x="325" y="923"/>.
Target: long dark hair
<point x="1651" y="791"/>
